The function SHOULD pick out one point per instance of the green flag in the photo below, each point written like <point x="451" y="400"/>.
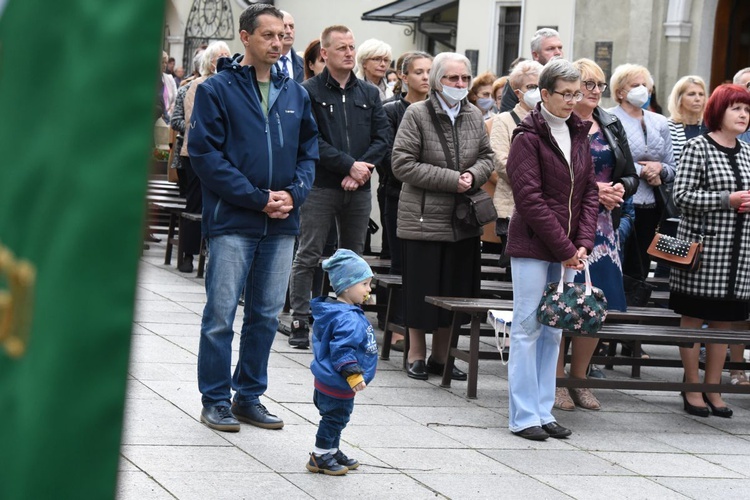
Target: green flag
<point x="77" y="93"/>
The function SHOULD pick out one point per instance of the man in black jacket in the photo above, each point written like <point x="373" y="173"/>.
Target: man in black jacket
<point x="352" y="140"/>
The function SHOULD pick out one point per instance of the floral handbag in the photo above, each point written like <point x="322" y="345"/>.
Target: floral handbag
<point x="575" y="307"/>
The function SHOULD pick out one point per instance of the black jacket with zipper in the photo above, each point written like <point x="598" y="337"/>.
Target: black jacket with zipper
<point x="624" y="171"/>
<point x="351" y="123"/>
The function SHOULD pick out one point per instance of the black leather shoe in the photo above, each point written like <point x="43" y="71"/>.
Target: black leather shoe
<point x="556" y="430"/>
<point x="257" y="415"/>
<point x="187" y="264"/>
<point x="437" y="369"/>
<point x="220" y="418"/>
<point x="535" y="433"/>
<point x="417" y="370"/>
<point x="698" y="411"/>
<point x="724" y="411"/>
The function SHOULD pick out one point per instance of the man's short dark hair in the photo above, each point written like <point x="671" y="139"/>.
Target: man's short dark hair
<point x="249" y="17"/>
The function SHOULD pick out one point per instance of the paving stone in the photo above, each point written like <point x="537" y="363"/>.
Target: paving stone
<point x="586" y="439"/>
<point x="609" y="487"/>
<point x="488" y="486"/>
<point x="721" y="444"/>
<point x="162" y="423"/>
<point x="667" y="464"/>
<point x="384" y="436"/>
<point x="736" y="463"/>
<point x="180" y="318"/>
<point x="447" y="461"/>
<point x="155" y="349"/>
<point x="163" y="305"/>
<point x="706" y="488"/>
<point x="168" y="329"/>
<point x="469" y="416"/>
<point x="136" y="485"/>
<point x="360" y="486"/>
<point x="196" y="459"/>
<point x="557" y="462"/>
<point x="228" y="485"/>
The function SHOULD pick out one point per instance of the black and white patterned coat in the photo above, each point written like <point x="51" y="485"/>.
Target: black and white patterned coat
<point x="705" y="178"/>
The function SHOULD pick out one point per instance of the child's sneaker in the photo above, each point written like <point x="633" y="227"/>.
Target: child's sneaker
<point x="325" y="464"/>
<point x="347" y="462"/>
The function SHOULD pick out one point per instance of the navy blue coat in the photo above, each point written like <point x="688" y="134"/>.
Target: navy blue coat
<point x="240" y="153"/>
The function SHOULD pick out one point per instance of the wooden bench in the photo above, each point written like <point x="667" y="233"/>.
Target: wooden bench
<point x="637" y="324"/>
<point x="392" y="283"/>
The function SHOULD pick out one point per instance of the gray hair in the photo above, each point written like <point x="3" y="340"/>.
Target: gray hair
<point x="369" y="49"/>
<point x="197" y="61"/>
<point x="536" y="40"/>
<point x="736" y="79"/>
<point x="209" y="55"/>
<point x="557" y="69"/>
<point x="438" y="68"/>
<point x="522" y="70"/>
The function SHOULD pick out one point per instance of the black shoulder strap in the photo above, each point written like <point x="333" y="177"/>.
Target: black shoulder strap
<point x="441" y="135"/>
<point x="515" y="117"/>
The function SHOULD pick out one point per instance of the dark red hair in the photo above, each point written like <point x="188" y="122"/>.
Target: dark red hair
<point x="721" y="99"/>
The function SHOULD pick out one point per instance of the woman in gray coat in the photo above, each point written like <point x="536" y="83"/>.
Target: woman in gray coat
<point x="440" y="257"/>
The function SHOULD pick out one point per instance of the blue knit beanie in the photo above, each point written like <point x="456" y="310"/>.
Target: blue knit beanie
<point x="345" y="268"/>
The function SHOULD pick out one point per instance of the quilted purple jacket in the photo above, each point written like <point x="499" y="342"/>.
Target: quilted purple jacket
<point x="556" y="204"/>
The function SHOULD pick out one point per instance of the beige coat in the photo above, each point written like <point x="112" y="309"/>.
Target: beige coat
<point x="428" y="194"/>
<point x="500" y="137"/>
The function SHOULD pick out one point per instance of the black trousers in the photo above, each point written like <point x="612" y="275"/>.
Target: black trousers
<point x="191" y="230"/>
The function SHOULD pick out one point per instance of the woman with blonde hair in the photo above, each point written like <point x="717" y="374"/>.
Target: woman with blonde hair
<point x="687" y="102"/>
<point x="373" y="60"/>
<point x="651" y="146"/>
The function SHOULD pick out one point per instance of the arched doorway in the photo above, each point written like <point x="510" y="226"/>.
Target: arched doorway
<point x="731" y="49"/>
<point x="208" y="20"/>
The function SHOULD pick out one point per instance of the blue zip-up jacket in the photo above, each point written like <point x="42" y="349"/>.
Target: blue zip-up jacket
<point x="240" y="154"/>
<point x="342" y="336"/>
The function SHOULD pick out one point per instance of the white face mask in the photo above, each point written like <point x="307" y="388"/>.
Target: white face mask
<point x="637" y="96"/>
<point x="404" y="88"/>
<point x="453" y="95"/>
<point x="391" y="85"/>
<point x="485" y="103"/>
<point x="532" y="97"/>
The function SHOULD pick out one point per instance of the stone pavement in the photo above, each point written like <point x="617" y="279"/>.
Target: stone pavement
<point x="414" y="439"/>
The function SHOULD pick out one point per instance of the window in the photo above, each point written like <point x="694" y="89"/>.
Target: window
<point x="508" y="37"/>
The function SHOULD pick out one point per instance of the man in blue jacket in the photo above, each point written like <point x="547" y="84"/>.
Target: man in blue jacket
<point x="352" y="141"/>
<point x="253" y="143"/>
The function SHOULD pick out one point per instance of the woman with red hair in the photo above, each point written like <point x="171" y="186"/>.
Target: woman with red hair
<point x="711" y="189"/>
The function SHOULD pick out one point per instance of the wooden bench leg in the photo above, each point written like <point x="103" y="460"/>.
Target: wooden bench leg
<point x="170" y="235"/>
<point x="450" y="359"/>
<point x="180" y="242"/>
<point x="387" y="333"/>
<point x="471" y="388"/>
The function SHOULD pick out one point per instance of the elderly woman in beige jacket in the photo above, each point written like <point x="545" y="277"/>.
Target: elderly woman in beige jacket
<point x="440" y="256"/>
<point x="524" y="81"/>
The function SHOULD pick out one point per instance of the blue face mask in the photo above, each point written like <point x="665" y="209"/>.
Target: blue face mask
<point x="648" y="103"/>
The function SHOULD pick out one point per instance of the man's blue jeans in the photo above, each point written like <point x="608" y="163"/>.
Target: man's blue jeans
<point x="334" y="415"/>
<point x="350" y="210"/>
<point x="534" y="347"/>
<point x="261" y="266"/>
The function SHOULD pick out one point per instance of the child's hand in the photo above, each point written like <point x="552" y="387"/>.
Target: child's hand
<point x="359" y="387"/>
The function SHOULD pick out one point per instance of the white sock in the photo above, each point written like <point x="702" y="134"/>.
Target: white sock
<point x="320" y="451"/>
<point x="333" y="451"/>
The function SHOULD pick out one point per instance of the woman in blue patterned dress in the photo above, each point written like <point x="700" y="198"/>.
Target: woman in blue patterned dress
<point x="617" y="179"/>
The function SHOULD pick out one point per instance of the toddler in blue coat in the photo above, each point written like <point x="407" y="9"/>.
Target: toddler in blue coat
<point x="346" y="355"/>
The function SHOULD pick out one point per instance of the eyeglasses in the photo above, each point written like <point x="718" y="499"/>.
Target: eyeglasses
<point x="591" y="85"/>
<point x="568" y="97"/>
<point x="380" y="60"/>
<point x="456" y="78"/>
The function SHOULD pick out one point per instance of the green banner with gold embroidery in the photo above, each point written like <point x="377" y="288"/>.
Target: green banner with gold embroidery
<point x="77" y="92"/>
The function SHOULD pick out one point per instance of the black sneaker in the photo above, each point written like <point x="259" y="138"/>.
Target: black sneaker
<point x="325" y="464"/>
<point x="347" y="462"/>
<point x="300" y="336"/>
<point x="220" y="418"/>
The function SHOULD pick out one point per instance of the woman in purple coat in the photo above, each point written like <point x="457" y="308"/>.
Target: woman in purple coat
<point x="554" y="223"/>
